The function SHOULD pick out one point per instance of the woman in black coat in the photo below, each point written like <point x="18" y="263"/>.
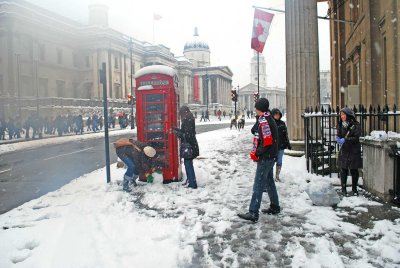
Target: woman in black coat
<point x="348" y="136"/>
<point x="187" y="133"/>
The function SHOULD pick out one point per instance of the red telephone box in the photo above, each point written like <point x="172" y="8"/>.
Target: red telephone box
<point x="157" y="105"/>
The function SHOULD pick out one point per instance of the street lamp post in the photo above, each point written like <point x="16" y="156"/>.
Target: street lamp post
<point x="207" y="78"/>
<point x="130" y="51"/>
<point x="236" y="100"/>
<point x="35" y="75"/>
<point x="17" y="56"/>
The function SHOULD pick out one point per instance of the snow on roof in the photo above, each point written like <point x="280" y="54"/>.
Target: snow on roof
<point x="147" y="87"/>
<point x="159" y="69"/>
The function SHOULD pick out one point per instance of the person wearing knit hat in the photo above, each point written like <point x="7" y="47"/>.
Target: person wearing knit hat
<point x="139" y="158"/>
<point x="265" y="148"/>
<point x="349" y="155"/>
<point x="149" y="151"/>
<point x="262" y="105"/>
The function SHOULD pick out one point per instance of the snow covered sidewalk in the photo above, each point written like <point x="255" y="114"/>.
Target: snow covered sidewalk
<point x="88" y="223"/>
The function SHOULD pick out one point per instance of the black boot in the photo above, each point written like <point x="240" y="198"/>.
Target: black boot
<point x="248" y="216"/>
<point x="272" y="210"/>
<point x="343" y="180"/>
<point x="354" y="183"/>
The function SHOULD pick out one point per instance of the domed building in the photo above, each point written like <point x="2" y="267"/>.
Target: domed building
<point x="197" y="51"/>
<point x="203" y="85"/>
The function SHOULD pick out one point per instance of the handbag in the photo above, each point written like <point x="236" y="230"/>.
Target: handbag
<point x="186" y="149"/>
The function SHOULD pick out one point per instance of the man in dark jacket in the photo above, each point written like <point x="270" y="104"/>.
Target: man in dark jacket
<point x="265" y="148"/>
<point x="348" y="136"/>
<point x="283" y="141"/>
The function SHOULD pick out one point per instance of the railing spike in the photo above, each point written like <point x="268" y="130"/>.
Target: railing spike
<point x="370" y="109"/>
<point x="379" y="108"/>
<point x="394" y="108"/>
<point x="329" y="109"/>
<point x="355" y="109"/>
<point x="337" y="109"/>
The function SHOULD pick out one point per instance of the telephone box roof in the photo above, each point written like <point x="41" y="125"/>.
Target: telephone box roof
<point x="158" y="69"/>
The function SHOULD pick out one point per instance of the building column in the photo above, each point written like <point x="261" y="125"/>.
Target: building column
<point x="302" y="67"/>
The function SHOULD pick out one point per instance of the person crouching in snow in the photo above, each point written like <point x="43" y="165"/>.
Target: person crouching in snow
<point x="265" y="148"/>
<point x="138" y="157"/>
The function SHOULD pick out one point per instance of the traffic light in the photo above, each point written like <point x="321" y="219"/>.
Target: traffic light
<point x="256" y="97"/>
<point x="234" y="95"/>
<point x="131" y="99"/>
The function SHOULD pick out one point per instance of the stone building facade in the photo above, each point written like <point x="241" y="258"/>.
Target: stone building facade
<point x="50" y="63"/>
<point x="325" y="88"/>
<point x="365" y="52"/>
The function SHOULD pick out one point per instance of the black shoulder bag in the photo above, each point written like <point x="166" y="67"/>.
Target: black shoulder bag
<point x="186" y="150"/>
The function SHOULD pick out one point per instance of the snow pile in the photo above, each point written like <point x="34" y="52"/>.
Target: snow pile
<point x="382" y="135"/>
<point x="322" y="193"/>
<point x="377" y="135"/>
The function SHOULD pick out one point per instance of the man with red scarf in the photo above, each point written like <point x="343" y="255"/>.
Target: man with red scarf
<point x="265" y="148"/>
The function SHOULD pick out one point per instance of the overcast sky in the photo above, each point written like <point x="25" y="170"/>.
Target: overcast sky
<point x="225" y="25"/>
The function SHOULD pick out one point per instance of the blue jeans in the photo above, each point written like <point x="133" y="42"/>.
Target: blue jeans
<point x="190" y="173"/>
<point x="279" y="157"/>
<point x="263" y="179"/>
<point x="131" y="166"/>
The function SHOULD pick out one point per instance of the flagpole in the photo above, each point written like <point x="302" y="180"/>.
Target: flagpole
<point x="258" y="73"/>
<point x="153" y="29"/>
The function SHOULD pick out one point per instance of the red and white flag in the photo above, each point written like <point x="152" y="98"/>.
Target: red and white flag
<point x="262" y="22"/>
<point x="157" y="16"/>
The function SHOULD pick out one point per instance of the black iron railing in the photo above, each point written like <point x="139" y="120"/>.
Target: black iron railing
<point x="320" y="133"/>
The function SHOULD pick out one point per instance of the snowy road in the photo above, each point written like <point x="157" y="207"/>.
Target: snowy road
<point x="27" y="173"/>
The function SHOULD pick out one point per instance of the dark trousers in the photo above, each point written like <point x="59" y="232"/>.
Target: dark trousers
<point x="354" y="178"/>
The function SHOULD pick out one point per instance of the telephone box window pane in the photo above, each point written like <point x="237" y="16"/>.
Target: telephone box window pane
<point x="154" y="136"/>
<point x="157" y="145"/>
<point x="154" y="98"/>
<point x="154" y="107"/>
<point x="155" y="126"/>
<point x="153" y="117"/>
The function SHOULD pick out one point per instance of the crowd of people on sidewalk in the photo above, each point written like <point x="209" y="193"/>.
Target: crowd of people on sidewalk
<point x="35" y="126"/>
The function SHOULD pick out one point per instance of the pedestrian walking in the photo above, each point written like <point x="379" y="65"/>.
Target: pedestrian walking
<point x="349" y="158"/>
<point x="219" y="113"/>
<point x="187" y="133"/>
<point x="138" y="157"/>
<point x="207" y="116"/>
<point x="265" y="148"/>
<point x="202" y="117"/>
<point x="283" y="142"/>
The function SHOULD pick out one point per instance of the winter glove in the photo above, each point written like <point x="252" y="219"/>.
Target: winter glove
<point x="340" y="140"/>
<point x="253" y="156"/>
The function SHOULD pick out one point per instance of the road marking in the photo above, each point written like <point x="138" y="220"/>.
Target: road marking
<point x="69" y="153"/>
<point x="4" y="171"/>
